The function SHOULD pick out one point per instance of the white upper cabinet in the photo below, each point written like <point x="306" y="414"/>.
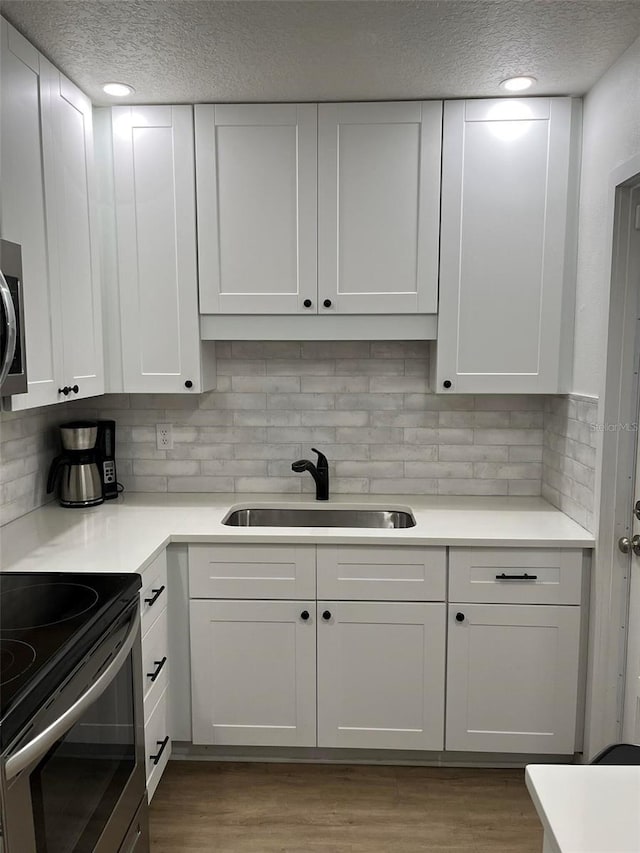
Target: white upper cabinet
<point x="378" y="207"/>
<point x="256" y="181"/>
<point x="23" y="214"/>
<point x="155" y="227"/>
<point x="71" y="196"/>
<point x="47" y="203"/>
<point x="507" y="245"/>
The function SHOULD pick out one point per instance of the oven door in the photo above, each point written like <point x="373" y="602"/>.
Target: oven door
<point x="75" y="781"/>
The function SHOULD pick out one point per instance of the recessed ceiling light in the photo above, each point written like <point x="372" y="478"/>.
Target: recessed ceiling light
<point x="518" y="84"/>
<point x="118" y="90"/>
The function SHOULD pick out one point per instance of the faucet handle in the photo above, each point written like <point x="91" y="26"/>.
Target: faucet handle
<point x="322" y="459"/>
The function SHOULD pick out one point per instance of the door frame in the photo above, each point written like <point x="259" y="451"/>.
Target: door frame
<point x="615" y="469"/>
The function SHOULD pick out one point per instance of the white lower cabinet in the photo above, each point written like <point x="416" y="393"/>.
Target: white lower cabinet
<point x="381" y="675"/>
<point x="157" y="744"/>
<point x="253" y="672"/>
<point x="512" y="680"/>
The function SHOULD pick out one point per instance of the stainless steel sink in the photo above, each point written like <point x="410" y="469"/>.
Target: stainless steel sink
<point x="312" y="517"/>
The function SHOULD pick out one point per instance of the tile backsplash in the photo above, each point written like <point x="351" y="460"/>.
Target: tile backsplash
<point x="28" y="443"/>
<point x="569" y="456"/>
<point x="367" y="405"/>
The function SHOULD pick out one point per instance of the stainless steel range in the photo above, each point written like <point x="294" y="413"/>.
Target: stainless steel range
<point x="72" y="776"/>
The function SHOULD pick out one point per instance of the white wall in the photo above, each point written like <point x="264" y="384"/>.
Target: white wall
<point x="611" y="136"/>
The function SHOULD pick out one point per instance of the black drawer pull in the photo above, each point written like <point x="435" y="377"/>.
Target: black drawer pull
<point x="159" y="664"/>
<point x="163" y="745"/>
<point x="524" y="577"/>
<point x="156" y="595"/>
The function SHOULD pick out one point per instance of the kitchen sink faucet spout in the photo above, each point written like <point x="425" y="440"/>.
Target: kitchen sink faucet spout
<point x="319" y="472"/>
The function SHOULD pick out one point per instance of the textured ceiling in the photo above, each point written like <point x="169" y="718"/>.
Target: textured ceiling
<point x="176" y="51"/>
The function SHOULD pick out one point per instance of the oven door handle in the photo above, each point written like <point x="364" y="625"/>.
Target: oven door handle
<point x="47" y="738"/>
<point x="11" y="326"/>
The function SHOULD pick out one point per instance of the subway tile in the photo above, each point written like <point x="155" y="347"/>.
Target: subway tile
<point x="399" y="385"/>
<point x="200" y="484"/>
<point x="400" y="349"/>
<point x="369" y="469"/>
<point x="334" y="384"/>
<point x="439" y="470"/>
<point x="524" y="487"/>
<point x="165" y="467"/>
<point x="472" y="453"/>
<point x="298" y="367"/>
<point x="370" y="367"/>
<point x="285" y="485"/>
<point x="527" y="453"/>
<point x="402" y="486"/>
<point x="241" y="367"/>
<point x="406" y="419"/>
<point x="439" y="402"/>
<point x="487" y="420"/>
<point x="334" y="418"/>
<point x="350" y="486"/>
<point x="201" y="451"/>
<point x="266" y="349"/>
<point x="266" y="384"/>
<point x="507" y="470"/>
<point x="369" y="402"/>
<point x="416" y="367"/>
<point x="508" y="436"/>
<point x="267" y="418"/>
<point x="369" y="435"/>
<point x="509" y="402"/>
<point x="319" y="350"/>
<point x="406" y="452"/>
<point x="302" y="402"/>
<point x="526" y="420"/>
<point x="472" y="487"/>
<point x="304" y="435"/>
<point x="222" y="400"/>
<point x="349" y="452"/>
<point x="267" y="451"/>
<point x="233" y="468"/>
<point x="145" y="484"/>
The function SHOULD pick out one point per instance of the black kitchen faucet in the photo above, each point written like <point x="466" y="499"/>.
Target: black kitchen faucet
<point x="319" y="472"/>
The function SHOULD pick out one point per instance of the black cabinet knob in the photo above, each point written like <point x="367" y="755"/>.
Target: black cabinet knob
<point x="446" y="383"/>
<point x="327" y="303"/>
<point x="459" y="617"/>
<point x="75" y="389"/>
<point x="188" y="384"/>
<point x="326" y="615"/>
<point x="307" y="303"/>
<point x="66" y="390"/>
<point x="304" y="615"/>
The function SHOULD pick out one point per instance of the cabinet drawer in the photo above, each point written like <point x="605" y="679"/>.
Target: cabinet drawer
<point x="156" y="743"/>
<point x="252" y="571"/>
<point x="353" y="573"/>
<point x="155" y="663"/>
<point x="515" y="575"/>
<point x="153" y="596"/>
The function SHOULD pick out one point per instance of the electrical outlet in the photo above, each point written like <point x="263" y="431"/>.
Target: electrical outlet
<point x="164" y="436"/>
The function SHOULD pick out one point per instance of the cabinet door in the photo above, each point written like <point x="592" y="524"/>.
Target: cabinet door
<point x="505" y="264"/>
<point x="154" y="179"/>
<point x="23" y="214"/>
<point x="253" y="672"/>
<point x="512" y="678"/>
<point x="256" y="179"/>
<point x="381" y="675"/>
<point x="74" y="250"/>
<point x="378" y="207"/>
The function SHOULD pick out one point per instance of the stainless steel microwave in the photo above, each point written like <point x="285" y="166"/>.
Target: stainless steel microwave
<point x="13" y="356"/>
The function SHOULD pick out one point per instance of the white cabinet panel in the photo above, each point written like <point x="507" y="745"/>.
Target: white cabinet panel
<point x="256" y="181"/>
<point x="153" y="595"/>
<point x="515" y="575"/>
<point x="381" y="574"/>
<point x="74" y="250"/>
<point x="155" y="662"/>
<point x="506" y="251"/>
<point x="252" y="571"/>
<point x="154" y="183"/>
<point x="381" y="675"/>
<point x="253" y="672"/>
<point x="378" y="207"/>
<point x="157" y="744"/>
<point x="23" y="216"/>
<point x="512" y="678"/>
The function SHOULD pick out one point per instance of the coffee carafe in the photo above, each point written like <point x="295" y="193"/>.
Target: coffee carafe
<point x="75" y="472"/>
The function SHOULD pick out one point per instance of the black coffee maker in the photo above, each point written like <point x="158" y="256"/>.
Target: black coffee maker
<point x="106" y="457"/>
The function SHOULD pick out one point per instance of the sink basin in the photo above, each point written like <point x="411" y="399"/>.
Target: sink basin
<point x="312" y="517"/>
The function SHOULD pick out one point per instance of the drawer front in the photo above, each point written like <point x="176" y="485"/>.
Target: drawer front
<point x="155" y="663"/>
<point x="156" y="732"/>
<point x="381" y="573"/>
<point x="153" y="597"/>
<point x="515" y="575"/>
<point x="252" y="571"/>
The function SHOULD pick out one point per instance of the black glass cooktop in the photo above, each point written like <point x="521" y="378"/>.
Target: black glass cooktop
<point x="48" y="622"/>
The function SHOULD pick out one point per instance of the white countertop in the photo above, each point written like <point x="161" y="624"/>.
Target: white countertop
<point x="126" y="534"/>
<point x="587" y="808"/>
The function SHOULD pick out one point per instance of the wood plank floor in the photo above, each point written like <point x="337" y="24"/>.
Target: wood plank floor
<point x="291" y="808"/>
